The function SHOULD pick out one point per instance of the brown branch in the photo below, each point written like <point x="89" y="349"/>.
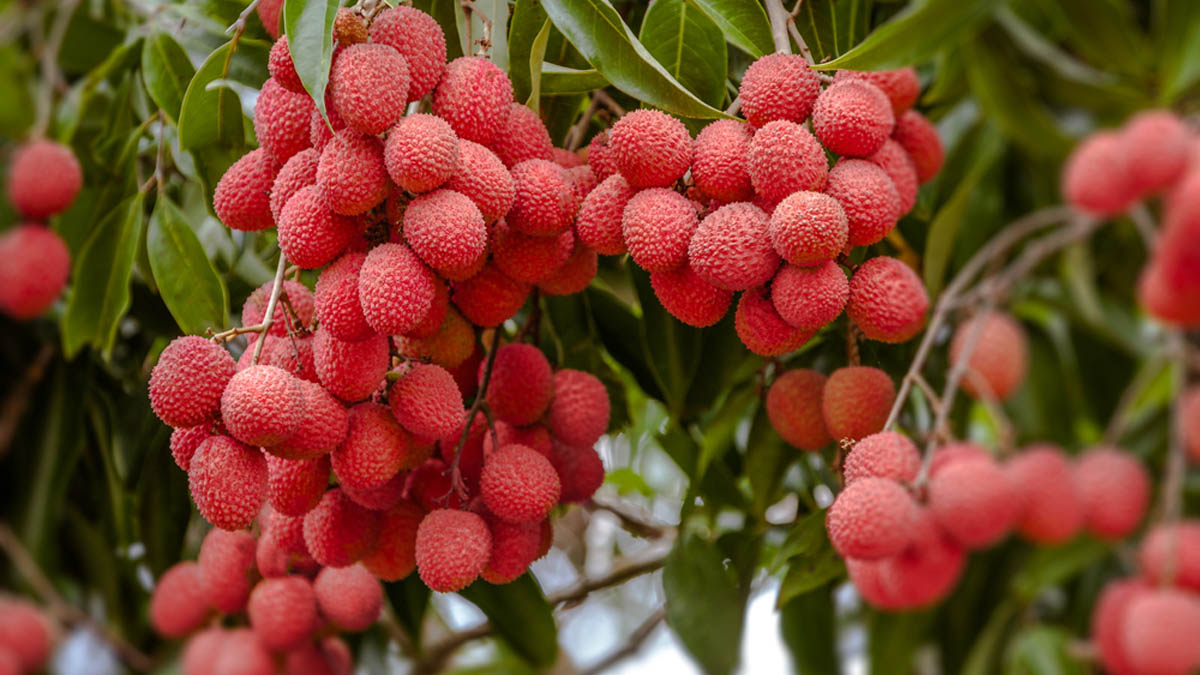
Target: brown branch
<point x="1120" y="417"/>
<point x="1173" y="481"/>
<point x="853" y="357"/>
<point x="456" y="482"/>
<point x="734" y="107"/>
<point x="795" y="33"/>
<point x="575" y="134"/>
<point x="269" y="318"/>
<point x="608" y="102"/>
<point x="779" y="30"/>
<point x="632" y="645"/>
<point x="17" y="401"/>
<point x="238" y="27"/>
<point x="635" y="524"/>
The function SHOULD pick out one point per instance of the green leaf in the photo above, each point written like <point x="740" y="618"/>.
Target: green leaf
<point x="1050" y="566"/>
<point x="597" y="31"/>
<point x="189" y="285"/>
<point x="744" y="24"/>
<point x="1180" y="39"/>
<point x="704" y="605"/>
<point x="1030" y="41"/>
<point x="410" y="600"/>
<point x="100" y="280"/>
<point x="558" y="79"/>
<point x="166" y="71"/>
<point x="831" y="27"/>
<point x="689" y="45"/>
<point x="527" y="21"/>
<point x="670" y="347"/>
<point x="894" y="639"/>
<point x="309" y="28"/>
<point x="807" y="626"/>
<point x="810" y="557"/>
<point x="536" y="54"/>
<point x="915" y="34"/>
<point x="766" y="459"/>
<point x="521" y="615"/>
<point x="211" y="113"/>
<point x="985" y="652"/>
<point x="1043" y="650"/>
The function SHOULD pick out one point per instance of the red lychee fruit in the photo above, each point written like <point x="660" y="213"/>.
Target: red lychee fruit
<point x="270" y="12"/>
<point x="421" y="153"/>
<point x="381" y="498"/>
<point x="689" y="298"/>
<point x="901" y="86"/>
<point x="228" y="482"/>
<point x="869" y="198"/>
<point x="519" y="484"/>
<point x="810" y="297"/>
<point x="1108" y="619"/>
<point x="527" y="258"/>
<point x="778" y="87"/>
<point x="336" y="299"/>
<point x="184" y="442"/>
<point x="888" y="301"/>
<point x="952" y="453"/>
<point x="974" y="501"/>
<point x="450" y="347"/>
<point x="514" y="547"/>
<point x="36" y="271"/>
<point x="1114" y="489"/>
<point x="188" y="380"/>
<point x="922" y="574"/>
<point x="429" y="326"/>
<point x="395" y="289"/>
<point x="545" y="203"/>
<point x="522" y="136"/>
<point x="1155" y="144"/>
<point x="600" y="156"/>
<point x="375" y="448"/>
<point x="201" y="650"/>
<point x="732" y="249"/>
<point x="351" y="175"/>
<point x="427" y="402"/>
<point x="1171" y="553"/>
<point x="350" y="371"/>
<point x="997" y="366"/>
<point x="794" y="408"/>
<point x="262" y="405"/>
<point x="295" y="486"/>
<point x="657" y="226"/>
<point x="226" y="563"/>
<point x="534" y="436"/>
<point x="281" y="68"/>
<point x="886" y="454"/>
<point x="293" y="309"/>
<point x="1159" y="632"/>
<point x="579" y="411"/>
<point x="320" y="130"/>
<point x="25" y="636"/>
<point x="419" y="39"/>
<point x="1096" y="179"/>
<point x="369" y="87"/>
<point x="785" y="157"/>
<point x="300" y="171"/>
<point x="445" y="229"/>
<point x="719" y="165"/>
<point x="1051" y="509"/>
<point x="574" y="275"/>
<point x="43" y="179"/>
<point x="856" y="402"/>
<point x="430" y="486"/>
<point x="920" y="140"/>
<point x="242" y="653"/>
<point x="522" y="384"/>
<point x="281" y="122"/>
<point x="395" y="556"/>
<point x="470" y="96"/>
<point x="853" y="118"/>
<point x="242" y="199"/>
<point x="761" y="328"/>
<point x="310" y="235"/>
<point x="567" y="159"/>
<point x="580" y="471"/>
<point x="482" y="177"/>
<point x="895" y="162"/>
<point x="808" y="228"/>
<point x="491" y="297"/>
<point x="350" y="597"/>
<point x="871" y="519"/>
<point x="283" y="612"/>
<point x="338" y="532"/>
<point x="651" y="148"/>
<point x="453" y="547"/>
<point x="293" y="354"/>
<point x="599" y="223"/>
<point x="176" y="604"/>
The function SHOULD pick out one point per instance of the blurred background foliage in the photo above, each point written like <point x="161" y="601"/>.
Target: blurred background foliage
<point x="87" y="483"/>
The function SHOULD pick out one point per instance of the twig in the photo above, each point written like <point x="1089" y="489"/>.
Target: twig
<point x="18" y="399"/>
<point x="1144" y="222"/>
<point x="935" y="401"/>
<point x="779" y="31"/>
<point x="1173" y="481"/>
<point x="795" y="32"/>
<point x="735" y="107"/>
<point x="238" y="27"/>
<point x="608" y="102"/>
<point x="631" y="522"/>
<point x="983" y="391"/>
<point x="158" y="157"/>
<point x="269" y="318"/>
<point x="575" y="135"/>
<point x="632" y="645"/>
<point x="1120" y="417"/>
<point x="852" y="355"/>
<point x="456" y="481"/>
<point x="49" y="62"/>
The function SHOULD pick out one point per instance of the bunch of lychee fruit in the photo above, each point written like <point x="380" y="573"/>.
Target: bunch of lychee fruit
<point x="43" y="179"/>
<point x="26" y="637"/>
<point x="754" y="206"/>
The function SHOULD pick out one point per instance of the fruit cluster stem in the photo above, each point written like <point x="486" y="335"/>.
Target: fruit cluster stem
<point x="779" y="29"/>
<point x="270" y="316"/>
<point x="1173" y="481"/>
<point x="795" y="33"/>
<point x="456" y="481"/>
<point x="238" y="27"/>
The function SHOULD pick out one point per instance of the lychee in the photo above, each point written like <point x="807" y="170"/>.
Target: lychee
<point x="310" y="235"/>
<point x="300" y="171"/>
<point x="1114" y="489"/>
<point x="869" y="198"/>
<point x="901" y="86"/>
<point x="808" y="228"/>
<point x="1051" y="509"/>
<point x="926" y="570"/>
<point x="1159" y="632"/>
<point x="281" y="67"/>
<point x="421" y="153"/>
<point x="453" y="547"/>
<point x="184" y="442"/>
<point x="600" y="156"/>
<point x="534" y="436"/>
<point x="470" y="95"/>
<point x="657" y="226"/>
<point x="349" y="596"/>
<point x="732" y="249"/>
<point x="545" y="204"/>
<point x="1155" y="145"/>
<point x="580" y="471"/>
<point x="522" y="136"/>
<point x="449" y="347"/>
<point x="242" y="198"/>
<point x="810" y="297"/>
<point x="997" y="366"/>
<point x="262" y="405"/>
<point x="200" y="652"/>
<point x="176" y="605"/>
<point x="351" y="174"/>
<point x="369" y="87"/>
<point x="853" y="118"/>
<point x="281" y="122"/>
<point x="294" y="486"/>
<point x="519" y="484"/>
<point x="871" y="519"/>
<point x="785" y="157"/>
<point x="599" y="223"/>
<point x="491" y="297"/>
<point x="651" y="148"/>
<point x="974" y="501"/>
<point x="395" y="289"/>
<point x="521" y="386"/>
<point x="228" y="482"/>
<point x="761" y="328"/>
<point x="445" y="229"/>
<point x="719" y="165"/>
<point x="394" y="557"/>
<point x="1171" y="554"/>
<point x="886" y="454"/>
<point x="242" y="653"/>
<point x="794" y="408"/>
<point x="689" y="298"/>
<point x="567" y="159"/>
<point x="419" y="39"/>
<point x="43" y="179"/>
<point x="920" y="140"/>
<point x="226" y="563"/>
<point x="426" y="402"/>
<point x="1096" y="179"/>
<point x="482" y="177"/>
<point x="856" y="402"/>
<point x="527" y="258"/>
<point x="269" y="12"/>
<point x="336" y="299"/>
<point x="350" y="371"/>
<point x="574" y="275"/>
<point x="188" y="380"/>
<point x="888" y="301"/>
<point x="895" y="162"/>
<point x="375" y="448"/>
<point x="283" y="612"/>
<point x="579" y="411"/>
<point x="514" y="547"/>
<point x="294" y="309"/>
<point x="778" y="87"/>
<point x="380" y="498"/>
<point x="1108" y="622"/>
<point x="339" y="532"/>
<point x="36" y="271"/>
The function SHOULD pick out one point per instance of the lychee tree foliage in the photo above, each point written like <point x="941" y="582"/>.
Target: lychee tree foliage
<point x="156" y="102"/>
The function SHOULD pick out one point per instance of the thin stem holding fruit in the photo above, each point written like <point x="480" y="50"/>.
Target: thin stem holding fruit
<point x="270" y="315"/>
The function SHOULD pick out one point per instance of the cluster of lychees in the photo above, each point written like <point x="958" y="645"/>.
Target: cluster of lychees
<point x="763" y="213"/>
<point x="26" y="637"/>
<point x="43" y="179"/>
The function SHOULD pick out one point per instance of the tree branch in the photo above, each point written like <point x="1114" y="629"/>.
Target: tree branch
<point x="632" y="645"/>
<point x="779" y="31"/>
<point x="456" y="481"/>
<point x="1173" y="481"/>
<point x="269" y="318"/>
<point x="17" y="401"/>
<point x="575" y="135"/>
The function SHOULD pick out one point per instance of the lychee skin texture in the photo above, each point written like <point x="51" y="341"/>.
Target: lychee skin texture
<point x="395" y="556"/>
<point x="36" y="270"/>
<point x="534" y="436"/>
<point x="283" y="612"/>
<point x="974" y="501"/>
<point x="719" y="164"/>
<point x="24" y="635"/>
<point x="200" y="652"/>
<point x="295" y="355"/>
<point x="450" y="347"/>
<point x="376" y="447"/>
<point x="998" y="365"/>
<point x="445" y="229"/>
<point x="514" y="547"/>
<point x="281" y="121"/>
<point x="469" y="96"/>
<point x="888" y="301"/>
<point x="953" y="453"/>
<point x="380" y="498"/>
<point x="778" y="87"/>
<point x="761" y="328"/>
<point x="652" y="149"/>
<point x="785" y="157"/>
<point x="299" y="308"/>
<point x="732" y="249"/>
<point x="338" y="532"/>
<point x="810" y="297"/>
<point x="452" y="549"/>
<point x="226" y="563"/>
<point x="228" y="482"/>
<point x="242" y="653"/>
<point x="901" y="86"/>
<point x="794" y="409"/>
<point x="600" y="216"/>
<point x="483" y="178"/>
<point x="527" y="258"/>
<point x="320" y="131"/>
<point x="269" y="12"/>
<point x="351" y="174"/>
<point x="580" y="472"/>
<point x="336" y="299"/>
<point x="920" y="575"/>
<point x="808" y="228"/>
<point x="574" y="275"/>
<point x="886" y="454"/>
<point x="188" y="380"/>
<point x="349" y="597"/>
<point x="856" y="402"/>
<point x="43" y="179"/>
<point x="1051" y="511"/>
<point x="519" y="484"/>
<point x="1160" y="631"/>
<point x="281" y="68"/>
<point x="920" y="139"/>
<point x="176" y="605"/>
<point x="419" y="39"/>
<point x="295" y="486"/>
<point x="579" y="412"/>
<point x="871" y="519"/>
<point x="421" y="153"/>
<point x="896" y="163"/>
<point x="1095" y="178"/>
<point x="310" y="235"/>
<point x="689" y="298"/>
<point x="657" y="226"/>
<point x="869" y="198"/>
<point x="522" y="384"/>
<point x="491" y="297"/>
<point x="1114" y="489"/>
<point x="262" y="405"/>
<point x="395" y="289"/>
<point x="1108" y="622"/>
<point x="1155" y="144"/>
<point x="299" y="171"/>
<point x="428" y="327"/>
<point x="600" y="156"/>
<point x="853" y="118"/>
<point x="426" y="401"/>
<point x="1180" y="542"/>
<point x="545" y="204"/>
<point x="350" y="371"/>
<point x="242" y="199"/>
<point x="369" y="87"/>
<point x="184" y="442"/>
<point x="523" y="136"/>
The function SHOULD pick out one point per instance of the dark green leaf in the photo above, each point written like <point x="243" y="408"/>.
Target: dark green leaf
<point x="87" y="42"/>
<point x="704" y="605"/>
<point x="915" y="34"/>
<point x="831" y="27"/>
<point x="163" y="505"/>
<point x="521" y="615"/>
<point x="744" y="24"/>
<point x="806" y="573"/>
<point x="766" y="458"/>
<point x="449" y="16"/>
<point x="1039" y="47"/>
<point x="100" y="280"/>
<point x="558" y="79"/>
<point x="166" y="70"/>
<point x="527" y="21"/>
<point x="536" y="54"/>
<point x="17" y="113"/>
<point x="410" y="600"/>
<point x="894" y="639"/>
<point x="807" y="626"/>
<point x="1050" y="566"/>
<point x="1043" y="650"/>
<point x="986" y="650"/>
<point x="309" y="28"/>
<point x="1180" y="40"/>
<point x="189" y="285"/>
<point x="685" y="41"/>
<point x="211" y="114"/>
<point x="598" y="32"/>
<point x="670" y="347"/>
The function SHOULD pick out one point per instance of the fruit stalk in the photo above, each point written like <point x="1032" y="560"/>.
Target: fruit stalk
<point x="269" y="318"/>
